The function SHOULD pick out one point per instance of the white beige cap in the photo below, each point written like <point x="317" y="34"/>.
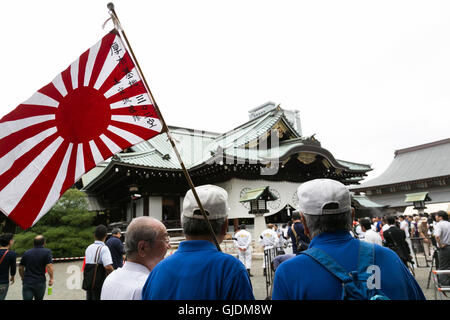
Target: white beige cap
<point x="314" y="195"/>
<point x="214" y="200"/>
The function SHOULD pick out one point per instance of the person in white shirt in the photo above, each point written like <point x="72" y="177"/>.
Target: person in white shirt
<point x="243" y="242"/>
<point x="98" y="261"/>
<point x="268" y="239"/>
<point x="359" y="232"/>
<point x="146" y="244"/>
<point x="368" y="234"/>
<point x="404" y="225"/>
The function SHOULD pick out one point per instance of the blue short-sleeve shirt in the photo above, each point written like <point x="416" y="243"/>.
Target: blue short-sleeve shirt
<point x="302" y="278"/>
<point x="198" y="271"/>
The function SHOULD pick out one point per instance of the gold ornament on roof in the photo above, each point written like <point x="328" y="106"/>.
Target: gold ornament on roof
<point x="306" y="158"/>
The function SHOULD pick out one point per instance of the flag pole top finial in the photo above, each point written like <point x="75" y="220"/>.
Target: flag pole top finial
<point x="110" y="6"/>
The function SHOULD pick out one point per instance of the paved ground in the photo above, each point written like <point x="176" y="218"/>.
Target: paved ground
<point x="68" y="279"/>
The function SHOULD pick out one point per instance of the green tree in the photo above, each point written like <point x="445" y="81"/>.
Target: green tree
<point x="67" y="227"/>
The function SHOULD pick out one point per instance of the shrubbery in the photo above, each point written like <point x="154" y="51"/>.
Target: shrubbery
<point x="67" y="227"/>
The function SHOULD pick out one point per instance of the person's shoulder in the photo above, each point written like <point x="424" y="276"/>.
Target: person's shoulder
<point x="105" y="248"/>
<point x="91" y="246"/>
<point x="228" y="259"/>
<point x="27" y="252"/>
<point x="12" y="253"/>
<point x="116" y="240"/>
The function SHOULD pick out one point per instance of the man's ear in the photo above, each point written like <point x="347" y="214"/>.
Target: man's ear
<point x="141" y="248"/>
<point x="305" y="227"/>
<point x="224" y="228"/>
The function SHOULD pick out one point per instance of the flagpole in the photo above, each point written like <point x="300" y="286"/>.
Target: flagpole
<point x="165" y="128"/>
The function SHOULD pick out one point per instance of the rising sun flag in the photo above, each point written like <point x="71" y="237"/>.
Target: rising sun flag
<point x="95" y="108"/>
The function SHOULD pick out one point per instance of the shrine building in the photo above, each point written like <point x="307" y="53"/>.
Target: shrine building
<point x="266" y="151"/>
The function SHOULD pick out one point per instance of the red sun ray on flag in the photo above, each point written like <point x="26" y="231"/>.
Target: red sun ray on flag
<point x="95" y="108"/>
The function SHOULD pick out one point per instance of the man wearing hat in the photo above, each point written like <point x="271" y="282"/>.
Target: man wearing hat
<point x="243" y="243"/>
<point x="197" y="270"/>
<point x="327" y="216"/>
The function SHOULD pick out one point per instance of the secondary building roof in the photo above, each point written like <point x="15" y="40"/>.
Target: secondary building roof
<point x="421" y="162"/>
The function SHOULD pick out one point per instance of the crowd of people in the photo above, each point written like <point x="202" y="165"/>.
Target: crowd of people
<point x="322" y="254"/>
<point x="427" y="233"/>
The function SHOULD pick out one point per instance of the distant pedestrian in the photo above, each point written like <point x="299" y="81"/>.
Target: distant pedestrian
<point x="7" y="263"/>
<point x="423" y="234"/>
<point x="336" y="265"/>
<point x="115" y="246"/>
<point x="197" y="270"/>
<point x="33" y="265"/>
<point x="395" y="239"/>
<point x="146" y="245"/>
<point x="404" y="225"/>
<point x="281" y="258"/>
<point x="268" y="239"/>
<point x="244" y="245"/>
<point x="280" y="242"/>
<point x="359" y="234"/>
<point x="442" y="235"/>
<point x="368" y="234"/>
<point x="98" y="264"/>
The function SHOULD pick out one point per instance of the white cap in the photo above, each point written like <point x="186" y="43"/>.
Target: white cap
<point x="314" y="195"/>
<point x="214" y="200"/>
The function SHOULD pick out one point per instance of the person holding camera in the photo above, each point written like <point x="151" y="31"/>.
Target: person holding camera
<point x="442" y="235"/>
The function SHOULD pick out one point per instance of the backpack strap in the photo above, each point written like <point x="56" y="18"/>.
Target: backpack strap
<point x="1" y="260"/>
<point x="329" y="264"/>
<point x="97" y="259"/>
<point x="295" y="234"/>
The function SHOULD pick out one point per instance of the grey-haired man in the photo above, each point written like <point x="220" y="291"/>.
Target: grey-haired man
<point x="146" y="244"/>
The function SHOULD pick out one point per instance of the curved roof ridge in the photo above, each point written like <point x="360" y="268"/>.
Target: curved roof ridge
<point x="422" y="146"/>
<point x="416" y="163"/>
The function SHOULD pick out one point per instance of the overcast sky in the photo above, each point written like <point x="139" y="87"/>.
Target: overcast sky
<point x="368" y="77"/>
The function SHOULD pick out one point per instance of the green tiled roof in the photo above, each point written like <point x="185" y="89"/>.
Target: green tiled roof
<point x="355" y="166"/>
<point x="198" y="147"/>
<point x="255" y="194"/>
<point x="249" y="131"/>
<point x="365" y="202"/>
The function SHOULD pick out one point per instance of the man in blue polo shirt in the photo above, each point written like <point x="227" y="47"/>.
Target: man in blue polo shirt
<point x="327" y="217"/>
<point x="197" y="270"/>
<point x="115" y="246"/>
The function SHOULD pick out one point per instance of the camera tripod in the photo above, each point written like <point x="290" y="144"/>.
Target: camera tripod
<point x="434" y="261"/>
